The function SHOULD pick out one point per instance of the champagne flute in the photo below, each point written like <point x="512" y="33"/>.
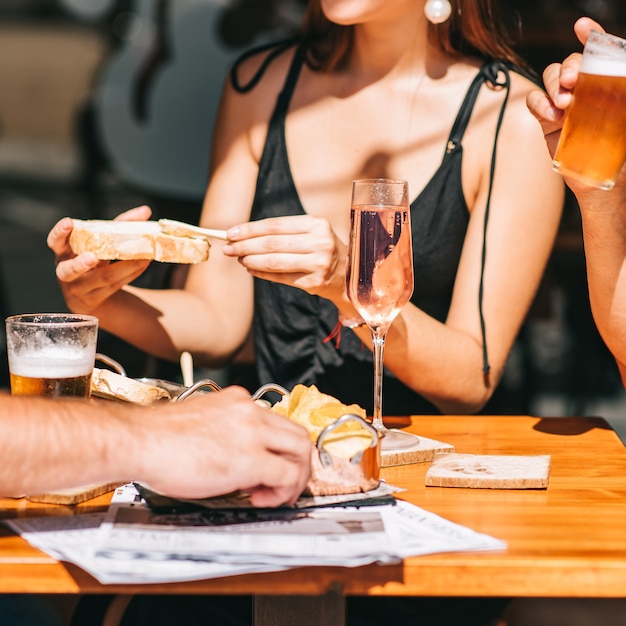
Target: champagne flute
<point x="379" y="277"/>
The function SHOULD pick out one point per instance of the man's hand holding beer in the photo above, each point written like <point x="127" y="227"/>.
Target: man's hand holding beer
<point x="559" y="80"/>
<point x="550" y="107"/>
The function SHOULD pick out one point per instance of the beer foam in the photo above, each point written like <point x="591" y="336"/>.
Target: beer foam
<point x="51" y="363"/>
<point x="603" y="66"/>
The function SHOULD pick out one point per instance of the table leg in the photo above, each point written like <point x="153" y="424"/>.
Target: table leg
<point x="325" y="610"/>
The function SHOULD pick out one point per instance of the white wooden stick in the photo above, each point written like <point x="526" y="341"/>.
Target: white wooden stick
<point x="172" y="227"/>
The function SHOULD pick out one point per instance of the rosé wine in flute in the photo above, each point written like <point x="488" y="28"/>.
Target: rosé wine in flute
<point x="379" y="275"/>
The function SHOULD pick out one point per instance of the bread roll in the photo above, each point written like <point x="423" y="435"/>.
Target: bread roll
<point x="113" y="240"/>
<point x="113" y="386"/>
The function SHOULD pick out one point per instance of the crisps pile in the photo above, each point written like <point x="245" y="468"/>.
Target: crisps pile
<point x="315" y="410"/>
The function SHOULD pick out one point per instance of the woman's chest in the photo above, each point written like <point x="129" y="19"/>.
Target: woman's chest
<point x="332" y="141"/>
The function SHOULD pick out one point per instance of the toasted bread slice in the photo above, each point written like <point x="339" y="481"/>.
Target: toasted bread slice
<point x="113" y="386"/>
<point x="112" y="240"/>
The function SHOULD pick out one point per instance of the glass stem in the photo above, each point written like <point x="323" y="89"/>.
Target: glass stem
<point x="378" y="341"/>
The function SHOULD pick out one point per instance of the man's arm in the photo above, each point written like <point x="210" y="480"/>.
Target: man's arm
<point x="603" y="212"/>
<point x="204" y="446"/>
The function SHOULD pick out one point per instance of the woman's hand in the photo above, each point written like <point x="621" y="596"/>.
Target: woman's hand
<point x="85" y="281"/>
<point x="302" y="251"/>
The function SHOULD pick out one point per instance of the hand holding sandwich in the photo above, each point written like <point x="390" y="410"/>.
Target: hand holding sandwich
<point x="162" y="322"/>
<point x="87" y="282"/>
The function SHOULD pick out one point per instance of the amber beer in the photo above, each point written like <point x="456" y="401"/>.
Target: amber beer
<point x="592" y="146"/>
<point x="39" y="383"/>
<point x="51" y="355"/>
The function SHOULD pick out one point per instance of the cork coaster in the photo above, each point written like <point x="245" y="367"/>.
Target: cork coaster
<point x="484" y="471"/>
<point x="74" y="496"/>
<point x="423" y="451"/>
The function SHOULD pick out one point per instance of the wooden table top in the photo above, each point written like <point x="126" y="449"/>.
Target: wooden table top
<point x="566" y="540"/>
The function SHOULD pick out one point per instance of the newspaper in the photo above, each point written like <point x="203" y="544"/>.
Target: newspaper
<point x="383" y="494"/>
<point x="133" y="544"/>
<point x="75" y="539"/>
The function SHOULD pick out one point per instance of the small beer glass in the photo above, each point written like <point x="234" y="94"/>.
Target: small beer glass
<point x="51" y="354"/>
<point x="592" y="146"/>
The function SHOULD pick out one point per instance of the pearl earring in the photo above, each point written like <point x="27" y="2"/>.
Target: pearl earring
<point x="437" y="11"/>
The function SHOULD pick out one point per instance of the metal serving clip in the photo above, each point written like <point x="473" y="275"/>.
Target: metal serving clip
<point x="326" y="458"/>
<point x="211" y="384"/>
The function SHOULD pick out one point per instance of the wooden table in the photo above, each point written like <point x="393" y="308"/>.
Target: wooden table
<point x="568" y="540"/>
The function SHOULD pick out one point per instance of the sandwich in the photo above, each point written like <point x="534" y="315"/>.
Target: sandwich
<point x="112" y="240"/>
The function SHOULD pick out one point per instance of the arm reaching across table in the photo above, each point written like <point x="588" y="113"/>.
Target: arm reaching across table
<point x="209" y="445"/>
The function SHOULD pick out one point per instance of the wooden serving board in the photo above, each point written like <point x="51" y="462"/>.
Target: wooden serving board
<point x="74" y="496"/>
<point x="489" y="471"/>
<point x="423" y="451"/>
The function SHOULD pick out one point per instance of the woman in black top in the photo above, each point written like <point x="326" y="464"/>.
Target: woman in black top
<point x="370" y="89"/>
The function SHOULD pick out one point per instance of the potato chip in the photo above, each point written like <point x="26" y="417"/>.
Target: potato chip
<point x="315" y="410"/>
<point x="295" y="397"/>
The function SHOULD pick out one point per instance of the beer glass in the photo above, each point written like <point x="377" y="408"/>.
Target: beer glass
<point x="592" y="146"/>
<point x="51" y="354"/>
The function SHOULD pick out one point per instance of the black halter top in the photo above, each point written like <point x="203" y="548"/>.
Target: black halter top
<point x="292" y="328"/>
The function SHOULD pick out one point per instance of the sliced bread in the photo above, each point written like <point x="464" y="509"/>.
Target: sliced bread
<point x="114" y="386"/>
<point x="112" y="240"/>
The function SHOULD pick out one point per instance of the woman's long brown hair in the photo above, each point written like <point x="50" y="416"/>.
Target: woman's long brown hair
<point x="475" y="29"/>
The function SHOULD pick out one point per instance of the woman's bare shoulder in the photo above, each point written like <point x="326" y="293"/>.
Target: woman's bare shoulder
<point x="248" y="99"/>
<point x="259" y="75"/>
<point x="519" y="86"/>
<point x="522" y="83"/>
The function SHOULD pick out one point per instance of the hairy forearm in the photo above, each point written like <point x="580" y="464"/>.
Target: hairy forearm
<point x="57" y="444"/>
<point x="604" y="230"/>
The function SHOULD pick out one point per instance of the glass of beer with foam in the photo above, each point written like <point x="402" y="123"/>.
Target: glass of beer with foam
<point x="592" y="146"/>
<point x="51" y="354"/>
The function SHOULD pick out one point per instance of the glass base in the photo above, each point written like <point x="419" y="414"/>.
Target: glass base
<point x="397" y="440"/>
<point x="606" y="184"/>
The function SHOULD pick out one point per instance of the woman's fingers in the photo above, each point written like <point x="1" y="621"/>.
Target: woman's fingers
<point x="302" y="251"/>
